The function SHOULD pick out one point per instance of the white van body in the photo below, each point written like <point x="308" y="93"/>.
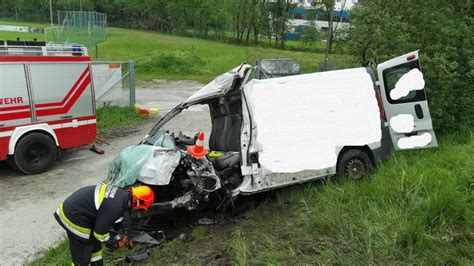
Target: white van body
<point x="276" y="132"/>
<point x="328" y="111"/>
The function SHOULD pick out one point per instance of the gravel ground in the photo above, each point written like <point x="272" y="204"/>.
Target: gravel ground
<point x="26" y="223"/>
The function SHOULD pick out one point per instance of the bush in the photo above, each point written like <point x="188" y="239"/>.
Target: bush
<point x="442" y="30"/>
<point x="173" y="62"/>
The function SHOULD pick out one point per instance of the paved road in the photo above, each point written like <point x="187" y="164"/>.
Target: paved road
<point x="28" y="202"/>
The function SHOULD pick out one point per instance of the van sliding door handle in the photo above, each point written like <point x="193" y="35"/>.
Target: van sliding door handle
<point x="66" y="116"/>
<point x="2" y="125"/>
<point x="419" y="111"/>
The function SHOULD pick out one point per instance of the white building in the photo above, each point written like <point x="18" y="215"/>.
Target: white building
<point x="345" y="4"/>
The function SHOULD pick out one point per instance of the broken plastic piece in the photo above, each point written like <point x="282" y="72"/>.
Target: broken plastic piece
<point x="139" y="256"/>
<point x="206" y="221"/>
<point x="146" y="238"/>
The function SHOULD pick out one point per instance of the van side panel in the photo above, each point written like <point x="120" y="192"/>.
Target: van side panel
<point x="384" y="152"/>
<point x="300" y="121"/>
<point x="380" y="151"/>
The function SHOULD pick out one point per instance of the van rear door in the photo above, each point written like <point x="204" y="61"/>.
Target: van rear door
<point x="404" y="99"/>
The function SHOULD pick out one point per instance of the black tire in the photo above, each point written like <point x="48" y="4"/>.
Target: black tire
<point x="35" y="153"/>
<point x="355" y="164"/>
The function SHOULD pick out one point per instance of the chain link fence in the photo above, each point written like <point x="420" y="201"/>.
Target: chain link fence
<point x="276" y="67"/>
<point x="88" y="28"/>
<point x="328" y="66"/>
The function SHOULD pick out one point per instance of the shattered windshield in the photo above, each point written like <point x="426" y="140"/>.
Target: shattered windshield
<point x="154" y="161"/>
<point x="138" y="163"/>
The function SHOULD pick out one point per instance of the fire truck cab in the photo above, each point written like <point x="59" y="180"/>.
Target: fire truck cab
<point x="47" y="103"/>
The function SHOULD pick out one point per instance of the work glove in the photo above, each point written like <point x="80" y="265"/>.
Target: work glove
<point x="119" y="240"/>
<point x="125" y="242"/>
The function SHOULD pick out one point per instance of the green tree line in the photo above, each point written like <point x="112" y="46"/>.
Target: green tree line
<point x="241" y="21"/>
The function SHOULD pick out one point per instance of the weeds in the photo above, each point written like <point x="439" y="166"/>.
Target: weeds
<point x="176" y="62"/>
<point x="114" y="117"/>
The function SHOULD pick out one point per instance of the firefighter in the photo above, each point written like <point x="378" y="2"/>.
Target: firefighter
<point x="89" y="213"/>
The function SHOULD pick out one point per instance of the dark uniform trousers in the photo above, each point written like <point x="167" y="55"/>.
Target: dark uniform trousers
<point x="81" y="251"/>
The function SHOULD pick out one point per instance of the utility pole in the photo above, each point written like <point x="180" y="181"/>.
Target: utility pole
<point x="51" y="12"/>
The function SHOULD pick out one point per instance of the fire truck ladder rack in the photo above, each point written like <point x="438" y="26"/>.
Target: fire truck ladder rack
<point x="26" y="48"/>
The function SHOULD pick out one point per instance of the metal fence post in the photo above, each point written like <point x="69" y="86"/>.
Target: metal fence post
<point x="131" y="81"/>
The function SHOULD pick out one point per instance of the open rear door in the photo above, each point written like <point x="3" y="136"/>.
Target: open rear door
<point x="404" y="99"/>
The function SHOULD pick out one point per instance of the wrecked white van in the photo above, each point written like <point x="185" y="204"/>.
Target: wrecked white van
<point x="266" y="134"/>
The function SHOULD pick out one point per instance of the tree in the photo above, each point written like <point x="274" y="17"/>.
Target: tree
<point x="310" y="33"/>
<point x="327" y="6"/>
<point x="279" y="20"/>
<point x="442" y="30"/>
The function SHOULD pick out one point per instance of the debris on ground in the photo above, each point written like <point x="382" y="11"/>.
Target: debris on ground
<point x="206" y="221"/>
<point x="185" y="237"/>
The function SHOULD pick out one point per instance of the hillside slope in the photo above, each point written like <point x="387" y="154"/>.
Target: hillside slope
<point x="164" y="56"/>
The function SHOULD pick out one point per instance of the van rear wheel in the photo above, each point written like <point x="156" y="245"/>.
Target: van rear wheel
<point x="354" y="163"/>
<point x="35" y="153"/>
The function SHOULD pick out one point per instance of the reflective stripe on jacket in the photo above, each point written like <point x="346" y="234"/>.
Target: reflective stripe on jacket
<point x="92" y="210"/>
<point x="73" y="228"/>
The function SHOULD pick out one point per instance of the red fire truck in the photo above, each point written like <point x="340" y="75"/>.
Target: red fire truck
<point x="47" y="103"/>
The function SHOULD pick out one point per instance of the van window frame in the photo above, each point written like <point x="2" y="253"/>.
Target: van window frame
<point x="420" y="94"/>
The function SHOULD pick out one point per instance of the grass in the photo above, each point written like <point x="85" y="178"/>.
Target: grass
<point x="163" y="56"/>
<point x="114" y="117"/>
<point x="415" y="209"/>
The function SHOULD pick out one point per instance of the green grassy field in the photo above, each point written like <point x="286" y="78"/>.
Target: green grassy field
<point x="162" y="56"/>
<point x="415" y="209"/>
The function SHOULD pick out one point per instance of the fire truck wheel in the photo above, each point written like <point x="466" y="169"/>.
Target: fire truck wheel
<point x="35" y="153"/>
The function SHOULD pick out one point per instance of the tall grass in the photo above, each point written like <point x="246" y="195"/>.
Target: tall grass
<point x="416" y="208"/>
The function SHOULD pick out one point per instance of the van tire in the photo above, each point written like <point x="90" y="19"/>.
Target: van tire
<point x="354" y="163"/>
<point x="35" y="153"/>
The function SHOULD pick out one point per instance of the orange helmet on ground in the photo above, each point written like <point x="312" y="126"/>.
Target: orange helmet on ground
<point x="142" y="197"/>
